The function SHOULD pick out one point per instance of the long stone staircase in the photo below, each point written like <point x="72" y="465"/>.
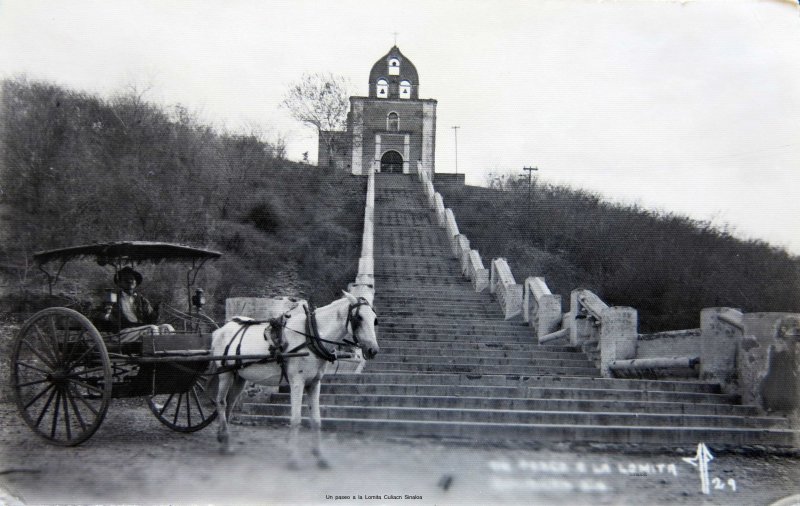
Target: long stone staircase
<point x="451" y="367"/>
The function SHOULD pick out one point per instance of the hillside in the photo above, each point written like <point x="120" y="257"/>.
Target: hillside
<point x="666" y="266"/>
<point x="76" y="169"/>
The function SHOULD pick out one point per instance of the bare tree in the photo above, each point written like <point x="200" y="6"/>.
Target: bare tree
<point x="320" y="100"/>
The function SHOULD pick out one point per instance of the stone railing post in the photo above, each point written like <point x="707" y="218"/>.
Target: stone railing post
<point x="618" y="334"/>
<point x="540" y="308"/>
<point x="585" y="312"/>
<point x="478" y="274"/>
<point x="720" y="332"/>
<point x="505" y="288"/>
<point x="462" y="253"/>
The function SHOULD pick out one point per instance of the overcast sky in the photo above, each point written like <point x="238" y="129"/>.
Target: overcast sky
<point x="690" y="107"/>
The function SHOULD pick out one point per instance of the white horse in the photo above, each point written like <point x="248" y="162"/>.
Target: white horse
<point x="348" y="319"/>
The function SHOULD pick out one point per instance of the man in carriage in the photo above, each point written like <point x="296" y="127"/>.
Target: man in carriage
<point x="132" y="315"/>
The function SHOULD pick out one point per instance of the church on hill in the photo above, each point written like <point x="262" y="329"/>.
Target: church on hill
<point x="391" y="130"/>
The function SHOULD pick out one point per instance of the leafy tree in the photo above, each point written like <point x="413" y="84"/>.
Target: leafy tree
<point x="320" y="101"/>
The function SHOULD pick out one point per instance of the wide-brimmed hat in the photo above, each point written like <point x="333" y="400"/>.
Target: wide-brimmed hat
<point x="128" y="270"/>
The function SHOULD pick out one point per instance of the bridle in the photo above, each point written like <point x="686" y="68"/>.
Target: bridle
<point x="354" y="319"/>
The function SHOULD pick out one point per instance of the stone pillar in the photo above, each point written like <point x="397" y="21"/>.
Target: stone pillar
<point x="462" y="253"/>
<point x="366" y="271"/>
<point x="718" y="342"/>
<point x="439" y="208"/>
<point x="618" y="335"/>
<point x="478" y="274"/>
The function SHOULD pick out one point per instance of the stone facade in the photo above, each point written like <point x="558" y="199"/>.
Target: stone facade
<point x="391" y="129"/>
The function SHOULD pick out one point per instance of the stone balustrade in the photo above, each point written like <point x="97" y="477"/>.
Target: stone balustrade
<point x="755" y="355"/>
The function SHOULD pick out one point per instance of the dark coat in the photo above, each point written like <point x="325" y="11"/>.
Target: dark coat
<point x="117" y="321"/>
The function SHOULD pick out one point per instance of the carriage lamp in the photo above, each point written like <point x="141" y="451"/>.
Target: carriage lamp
<point x="199" y="298"/>
<point x="109" y="299"/>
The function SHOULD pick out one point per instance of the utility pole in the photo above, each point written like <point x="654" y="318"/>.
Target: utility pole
<point x="530" y="171"/>
<point x="455" y="133"/>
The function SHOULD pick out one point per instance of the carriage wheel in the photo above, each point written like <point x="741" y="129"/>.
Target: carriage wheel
<point x="61" y="376"/>
<point x="186" y="411"/>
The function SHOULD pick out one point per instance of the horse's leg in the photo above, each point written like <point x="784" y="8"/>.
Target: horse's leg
<point x="234" y="394"/>
<point x="296" y="384"/>
<point x="316" y="422"/>
<point x="225" y="381"/>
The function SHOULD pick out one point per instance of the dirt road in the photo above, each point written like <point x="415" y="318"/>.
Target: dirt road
<point x="132" y="459"/>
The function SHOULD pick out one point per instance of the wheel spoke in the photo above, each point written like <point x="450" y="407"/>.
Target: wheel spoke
<point x="188" y="411"/>
<point x="38" y="396"/>
<point x="86" y="403"/>
<point x="164" y="407"/>
<point x="25" y="364"/>
<point x="85" y="371"/>
<point x="177" y="409"/>
<point x="66" y="415"/>
<point x="75" y="408"/>
<point x="45" y="341"/>
<point x="54" y="338"/>
<point x="197" y="401"/>
<point x="79" y="359"/>
<point x="37" y="382"/>
<point x="46" y="407"/>
<point x="47" y="361"/>
<point x="56" y="409"/>
<point x="86" y="385"/>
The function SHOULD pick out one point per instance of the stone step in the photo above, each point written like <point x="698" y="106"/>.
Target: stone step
<point x="457" y="339"/>
<point x="511" y="351"/>
<point x="388" y="295"/>
<point x="439" y="281"/>
<point x="440" y="312"/>
<point x="485" y="346"/>
<point x="483" y="322"/>
<point x="513" y="416"/>
<point x="477" y="359"/>
<point x="564" y="393"/>
<point x="465" y="308"/>
<point x="525" y="403"/>
<point x="490" y="432"/>
<point x="376" y="366"/>
<point x="521" y="380"/>
<point x="465" y="327"/>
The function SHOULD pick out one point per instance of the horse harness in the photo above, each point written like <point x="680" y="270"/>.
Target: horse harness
<point x="274" y="335"/>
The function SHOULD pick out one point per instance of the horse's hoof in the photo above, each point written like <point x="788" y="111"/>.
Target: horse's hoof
<point x="293" y="465"/>
<point x="323" y="464"/>
<point x="225" y="450"/>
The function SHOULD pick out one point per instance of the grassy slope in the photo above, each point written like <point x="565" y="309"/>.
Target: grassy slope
<point x="668" y="267"/>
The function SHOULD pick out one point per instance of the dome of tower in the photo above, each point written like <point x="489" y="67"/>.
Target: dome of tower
<point x="394" y="76"/>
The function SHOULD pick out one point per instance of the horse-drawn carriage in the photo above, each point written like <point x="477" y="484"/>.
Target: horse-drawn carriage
<point x="64" y="371"/>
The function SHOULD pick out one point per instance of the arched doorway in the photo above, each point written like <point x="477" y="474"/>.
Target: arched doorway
<point x="392" y="162"/>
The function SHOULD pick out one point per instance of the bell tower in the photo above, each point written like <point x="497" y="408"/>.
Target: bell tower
<point x="392" y="129"/>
